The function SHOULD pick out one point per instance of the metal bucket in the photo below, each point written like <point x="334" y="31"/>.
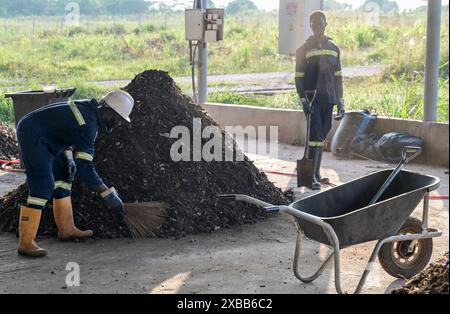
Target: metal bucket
<point x="354" y="124"/>
<point x="29" y="101"/>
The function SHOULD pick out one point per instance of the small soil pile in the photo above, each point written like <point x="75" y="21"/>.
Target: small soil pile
<point x="9" y="148"/>
<point x="135" y="158"/>
<point x="433" y="280"/>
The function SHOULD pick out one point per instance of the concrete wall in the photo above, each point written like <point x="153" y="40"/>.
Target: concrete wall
<point x="292" y="128"/>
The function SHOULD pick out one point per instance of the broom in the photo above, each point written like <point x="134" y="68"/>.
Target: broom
<point x="145" y="219"/>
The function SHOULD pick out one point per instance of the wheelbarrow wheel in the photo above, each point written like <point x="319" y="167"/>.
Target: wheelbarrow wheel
<point x="400" y="259"/>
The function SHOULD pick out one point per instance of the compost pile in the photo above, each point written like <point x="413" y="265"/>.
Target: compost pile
<point x="135" y="158"/>
<point x="9" y="148"/>
<point x="433" y="280"/>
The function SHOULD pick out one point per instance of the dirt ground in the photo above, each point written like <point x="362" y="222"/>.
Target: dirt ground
<point x="246" y="259"/>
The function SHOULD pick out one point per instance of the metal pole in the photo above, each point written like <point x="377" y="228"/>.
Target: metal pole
<point x="426" y="209"/>
<point x="202" y="70"/>
<point x="432" y="60"/>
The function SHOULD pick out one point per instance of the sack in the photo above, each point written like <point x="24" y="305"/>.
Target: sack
<point x="365" y="146"/>
<point x="390" y="145"/>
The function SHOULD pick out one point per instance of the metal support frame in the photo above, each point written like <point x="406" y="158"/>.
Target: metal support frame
<point x="337" y="259"/>
<point x="432" y="60"/>
<point x="426" y="209"/>
<point x="334" y="241"/>
<point x="202" y="64"/>
<point x="298" y="248"/>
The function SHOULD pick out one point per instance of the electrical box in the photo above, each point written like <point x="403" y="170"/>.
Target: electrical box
<point x="214" y="25"/>
<point x="195" y="24"/>
<point x="205" y="25"/>
<point x="294" y="23"/>
<point x="210" y="36"/>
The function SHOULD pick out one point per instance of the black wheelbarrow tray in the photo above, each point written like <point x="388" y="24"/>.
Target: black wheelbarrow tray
<point x="340" y="218"/>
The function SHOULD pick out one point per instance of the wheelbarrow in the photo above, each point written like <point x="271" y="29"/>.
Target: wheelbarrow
<point x="344" y="216"/>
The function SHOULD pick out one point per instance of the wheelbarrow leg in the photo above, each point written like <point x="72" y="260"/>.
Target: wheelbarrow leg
<point x="297" y="260"/>
<point x="337" y="269"/>
<point x="333" y="239"/>
<point x="369" y="266"/>
<point x="334" y="242"/>
<point x="398" y="238"/>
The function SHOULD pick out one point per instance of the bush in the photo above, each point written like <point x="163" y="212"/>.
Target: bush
<point x="147" y="28"/>
<point x="6" y="110"/>
<point x="236" y="30"/>
<point x="167" y="37"/>
<point x="75" y="30"/>
<point x="116" y="29"/>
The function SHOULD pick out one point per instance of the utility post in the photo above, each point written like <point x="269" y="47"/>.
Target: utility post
<point x="432" y="60"/>
<point x="203" y="25"/>
<point x="202" y="63"/>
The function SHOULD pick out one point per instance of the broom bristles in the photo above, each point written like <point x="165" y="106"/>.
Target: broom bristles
<point x="145" y="219"/>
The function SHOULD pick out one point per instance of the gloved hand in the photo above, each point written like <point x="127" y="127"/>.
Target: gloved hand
<point x="306" y="106"/>
<point x="113" y="202"/>
<point x="341" y="110"/>
<point x="71" y="166"/>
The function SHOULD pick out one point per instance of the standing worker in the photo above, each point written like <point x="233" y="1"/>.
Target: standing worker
<point x="318" y="67"/>
<point x="44" y="136"/>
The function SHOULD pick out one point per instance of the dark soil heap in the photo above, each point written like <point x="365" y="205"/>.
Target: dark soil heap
<point x="9" y="149"/>
<point x="433" y="280"/>
<point x="135" y="158"/>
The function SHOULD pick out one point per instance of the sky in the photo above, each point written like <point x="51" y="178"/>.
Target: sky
<point x="273" y="4"/>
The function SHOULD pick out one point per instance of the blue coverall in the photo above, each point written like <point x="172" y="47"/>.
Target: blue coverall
<point x="318" y="67"/>
<point x="43" y="137"/>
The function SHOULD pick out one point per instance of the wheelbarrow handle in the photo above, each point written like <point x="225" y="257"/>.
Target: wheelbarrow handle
<point x="227" y="198"/>
<point x="272" y="209"/>
<point x="244" y="198"/>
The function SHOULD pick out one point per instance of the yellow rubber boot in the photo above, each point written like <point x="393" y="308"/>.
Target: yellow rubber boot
<point x="28" y="228"/>
<point x="63" y="213"/>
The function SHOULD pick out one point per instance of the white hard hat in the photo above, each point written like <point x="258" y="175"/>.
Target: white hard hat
<point x="121" y="102"/>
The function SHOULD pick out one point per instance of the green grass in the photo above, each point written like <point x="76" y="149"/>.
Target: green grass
<point x="6" y="111"/>
<point x="106" y="49"/>
<point x="121" y="50"/>
<point x="282" y="100"/>
<point x="102" y="50"/>
<point x="392" y="98"/>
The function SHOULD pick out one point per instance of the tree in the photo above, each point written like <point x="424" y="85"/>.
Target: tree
<point x="424" y="9"/>
<point x="240" y="6"/>
<point x="57" y="7"/>
<point x="168" y="7"/>
<point x="22" y="7"/>
<point x="87" y="7"/>
<point x="125" y="6"/>
<point x="333" y="5"/>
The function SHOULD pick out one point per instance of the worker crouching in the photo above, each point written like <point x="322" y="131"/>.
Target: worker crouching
<point x="45" y="138"/>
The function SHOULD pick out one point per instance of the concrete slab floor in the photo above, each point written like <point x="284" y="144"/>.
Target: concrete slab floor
<point x="245" y="259"/>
